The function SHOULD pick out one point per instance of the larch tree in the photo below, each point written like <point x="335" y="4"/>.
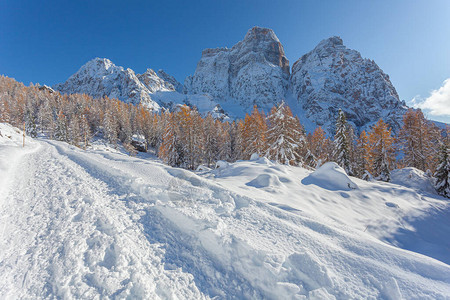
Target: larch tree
<point x="191" y="137"/>
<point x="211" y="140"/>
<point x="381" y="151"/>
<point x="61" y="132"/>
<point x="254" y="133"/>
<point x="284" y="136"/>
<point x="170" y="149"/>
<point x="318" y="145"/>
<point x="417" y="140"/>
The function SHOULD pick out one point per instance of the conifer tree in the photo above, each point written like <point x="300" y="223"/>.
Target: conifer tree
<point x="254" y="133"/>
<point x="442" y="174"/>
<point x="85" y="130"/>
<point x="381" y="151"/>
<point x="61" y="132"/>
<point x="283" y="136"/>
<point x="191" y="137"/>
<point x="317" y="145"/>
<point x="418" y="140"/>
<point x="342" y="140"/>
<point x="170" y="149"/>
<point x="362" y="156"/>
<point x="211" y="143"/>
<point x="110" y="126"/>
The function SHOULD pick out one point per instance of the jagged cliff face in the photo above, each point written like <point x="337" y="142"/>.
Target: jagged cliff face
<point x="154" y="83"/>
<point x="254" y="71"/>
<point x="332" y="76"/>
<point x="170" y="81"/>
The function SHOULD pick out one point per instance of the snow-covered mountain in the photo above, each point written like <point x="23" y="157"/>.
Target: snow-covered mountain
<point x="332" y="76"/>
<point x="154" y="83"/>
<point x="155" y="90"/>
<point x="101" y="77"/>
<point x="254" y="71"/>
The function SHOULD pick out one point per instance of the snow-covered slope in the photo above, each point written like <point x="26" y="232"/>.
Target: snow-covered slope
<point x="154" y="83"/>
<point x="101" y="224"/>
<point x="254" y="71"/>
<point x="333" y="77"/>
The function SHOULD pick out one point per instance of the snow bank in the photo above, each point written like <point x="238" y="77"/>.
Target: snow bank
<point x="413" y="178"/>
<point x="11" y="150"/>
<point x="332" y="177"/>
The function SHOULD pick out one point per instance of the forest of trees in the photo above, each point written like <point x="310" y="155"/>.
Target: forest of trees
<point x="184" y="138"/>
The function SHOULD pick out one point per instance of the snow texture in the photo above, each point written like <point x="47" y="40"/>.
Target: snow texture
<point x="101" y="224"/>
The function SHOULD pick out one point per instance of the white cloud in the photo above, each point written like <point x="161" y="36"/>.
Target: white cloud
<point x="438" y="103"/>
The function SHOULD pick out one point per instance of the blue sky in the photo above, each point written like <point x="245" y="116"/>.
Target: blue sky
<point x="47" y="41"/>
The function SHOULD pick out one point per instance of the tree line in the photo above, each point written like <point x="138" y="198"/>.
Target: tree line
<point x="184" y="138"/>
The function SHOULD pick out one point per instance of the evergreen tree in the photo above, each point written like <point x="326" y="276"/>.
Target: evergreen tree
<point x="442" y="174"/>
<point x="362" y="156"/>
<point x="61" y="132"/>
<point x="342" y="140"/>
<point x="284" y="136"/>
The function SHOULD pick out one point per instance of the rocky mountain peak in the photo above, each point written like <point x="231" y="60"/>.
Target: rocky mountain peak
<point x="254" y="71"/>
<point x="264" y="43"/>
<point x="100" y="77"/>
<point x="259" y="34"/>
<point x="330" y="42"/>
<point x="333" y="76"/>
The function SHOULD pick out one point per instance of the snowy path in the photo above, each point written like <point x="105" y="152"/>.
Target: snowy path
<point x="92" y="224"/>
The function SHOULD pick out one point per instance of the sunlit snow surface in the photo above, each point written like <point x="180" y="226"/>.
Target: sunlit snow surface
<point x="101" y="224"/>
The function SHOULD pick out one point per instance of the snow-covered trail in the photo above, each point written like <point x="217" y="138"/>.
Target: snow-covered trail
<point x="69" y="234"/>
<point x="97" y="224"/>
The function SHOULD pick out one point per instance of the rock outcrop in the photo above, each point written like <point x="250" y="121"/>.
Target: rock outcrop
<point x="254" y="71"/>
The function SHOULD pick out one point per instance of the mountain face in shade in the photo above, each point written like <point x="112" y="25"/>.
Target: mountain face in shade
<point x="332" y="76"/>
<point x="254" y="71"/>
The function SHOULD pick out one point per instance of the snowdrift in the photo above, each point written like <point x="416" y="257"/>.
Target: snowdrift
<point x="101" y="224"/>
<point x="332" y="177"/>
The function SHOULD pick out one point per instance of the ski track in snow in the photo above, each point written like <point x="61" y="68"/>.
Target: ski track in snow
<point x="96" y="224"/>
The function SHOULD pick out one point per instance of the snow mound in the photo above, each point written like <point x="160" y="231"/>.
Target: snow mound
<point x="255" y="156"/>
<point x="332" y="177"/>
<point x="10" y="135"/>
<point x="221" y="164"/>
<point x="413" y="178"/>
<point x="265" y="180"/>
